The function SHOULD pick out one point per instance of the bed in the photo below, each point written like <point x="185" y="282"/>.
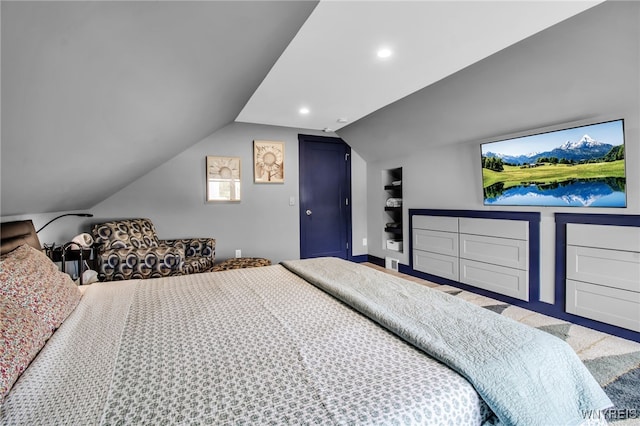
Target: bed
<point x="321" y="341"/>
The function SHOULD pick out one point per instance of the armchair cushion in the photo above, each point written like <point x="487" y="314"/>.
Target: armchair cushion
<point x="194" y="246"/>
<point x="195" y="264"/>
<point x="199" y="253"/>
<point x="129" y="233"/>
<point x="136" y="263"/>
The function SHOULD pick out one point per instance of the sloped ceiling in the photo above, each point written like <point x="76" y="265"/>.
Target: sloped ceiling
<point x="581" y="71"/>
<point x="331" y="67"/>
<point x="96" y="94"/>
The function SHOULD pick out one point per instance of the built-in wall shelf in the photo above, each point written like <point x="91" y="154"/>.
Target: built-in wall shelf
<point x="393" y="187"/>
<point x="393" y="231"/>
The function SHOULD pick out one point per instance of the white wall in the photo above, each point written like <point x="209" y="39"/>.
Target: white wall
<point x="358" y="204"/>
<point x="262" y="224"/>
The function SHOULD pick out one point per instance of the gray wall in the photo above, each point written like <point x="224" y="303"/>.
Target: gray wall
<point x="146" y="78"/>
<point x="359" y="204"/>
<point x="580" y="71"/>
<point x="262" y="224"/>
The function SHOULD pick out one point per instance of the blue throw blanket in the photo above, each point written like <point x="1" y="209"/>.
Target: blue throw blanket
<point x="527" y="377"/>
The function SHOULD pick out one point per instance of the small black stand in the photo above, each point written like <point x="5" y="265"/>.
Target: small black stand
<point x="66" y="254"/>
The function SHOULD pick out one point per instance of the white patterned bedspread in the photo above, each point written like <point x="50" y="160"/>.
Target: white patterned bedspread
<point x="246" y="346"/>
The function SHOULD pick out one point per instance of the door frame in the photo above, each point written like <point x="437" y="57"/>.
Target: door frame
<point x="303" y="138"/>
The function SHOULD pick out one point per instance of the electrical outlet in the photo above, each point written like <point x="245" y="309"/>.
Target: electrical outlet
<point x="238" y="253"/>
<point x="364" y="242"/>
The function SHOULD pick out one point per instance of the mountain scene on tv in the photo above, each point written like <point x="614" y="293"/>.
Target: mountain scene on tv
<point x="582" y="166"/>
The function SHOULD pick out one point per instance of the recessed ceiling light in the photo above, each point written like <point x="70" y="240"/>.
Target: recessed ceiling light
<point x="384" y="53"/>
<point x="304" y="111"/>
<point x="342" y="120"/>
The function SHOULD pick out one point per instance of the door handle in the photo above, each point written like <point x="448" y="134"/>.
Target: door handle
<point x="309" y="212"/>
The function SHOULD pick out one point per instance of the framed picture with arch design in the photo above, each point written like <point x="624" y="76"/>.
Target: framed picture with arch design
<point x="268" y="162"/>
<point x="223" y="179"/>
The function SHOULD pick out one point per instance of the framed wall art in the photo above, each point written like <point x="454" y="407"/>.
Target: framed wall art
<point x="268" y="162"/>
<point x="223" y="178"/>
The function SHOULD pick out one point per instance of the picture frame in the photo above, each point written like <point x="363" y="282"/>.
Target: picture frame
<point x="223" y="178"/>
<point x="268" y="161"/>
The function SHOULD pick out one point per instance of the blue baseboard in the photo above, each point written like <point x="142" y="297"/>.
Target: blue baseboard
<point x="375" y="260"/>
<point x="360" y="258"/>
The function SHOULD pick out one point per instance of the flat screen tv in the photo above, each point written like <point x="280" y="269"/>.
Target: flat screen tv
<point x="574" y="167"/>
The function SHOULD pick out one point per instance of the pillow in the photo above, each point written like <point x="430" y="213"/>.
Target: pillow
<point x="23" y="335"/>
<point x="31" y="280"/>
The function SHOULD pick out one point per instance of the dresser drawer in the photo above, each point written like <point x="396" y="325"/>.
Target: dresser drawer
<point x="436" y="241"/>
<point x="497" y="251"/>
<point x="503" y="228"/>
<point x="436" y="264"/>
<point x="626" y="238"/>
<point x="508" y="281"/>
<point x="436" y="223"/>
<point x="611" y="268"/>
<point x="606" y="304"/>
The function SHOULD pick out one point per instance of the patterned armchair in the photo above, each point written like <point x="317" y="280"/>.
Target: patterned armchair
<point x="130" y="248"/>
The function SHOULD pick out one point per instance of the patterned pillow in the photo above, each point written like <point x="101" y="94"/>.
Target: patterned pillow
<point x="23" y="335"/>
<point x="30" y="279"/>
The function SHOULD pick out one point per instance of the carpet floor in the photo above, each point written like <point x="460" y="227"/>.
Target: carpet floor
<point x="613" y="361"/>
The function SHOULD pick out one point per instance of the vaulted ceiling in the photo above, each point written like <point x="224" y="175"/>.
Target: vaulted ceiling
<point x="96" y="94"/>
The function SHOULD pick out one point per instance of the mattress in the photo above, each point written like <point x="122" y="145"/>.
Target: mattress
<point x="257" y="345"/>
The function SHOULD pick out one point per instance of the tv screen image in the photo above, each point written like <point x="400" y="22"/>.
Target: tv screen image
<point x="576" y="167"/>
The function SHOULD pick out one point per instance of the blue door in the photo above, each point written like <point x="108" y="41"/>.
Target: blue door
<point x="325" y="197"/>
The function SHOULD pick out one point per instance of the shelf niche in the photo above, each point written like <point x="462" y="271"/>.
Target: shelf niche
<point x="393" y="237"/>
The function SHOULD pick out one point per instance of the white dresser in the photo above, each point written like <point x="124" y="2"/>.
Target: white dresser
<point x="603" y="273"/>
<point x="491" y="254"/>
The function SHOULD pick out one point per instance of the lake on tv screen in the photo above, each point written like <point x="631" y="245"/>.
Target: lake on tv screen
<point x="579" y="193"/>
